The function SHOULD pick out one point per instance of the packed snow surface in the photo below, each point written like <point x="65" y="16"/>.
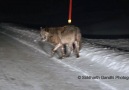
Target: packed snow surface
<point x="98" y="58"/>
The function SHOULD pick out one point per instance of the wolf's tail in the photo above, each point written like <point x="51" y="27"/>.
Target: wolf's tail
<point x="78" y="37"/>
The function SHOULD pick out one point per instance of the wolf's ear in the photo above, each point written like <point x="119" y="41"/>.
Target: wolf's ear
<point x="41" y="28"/>
<point x="46" y="29"/>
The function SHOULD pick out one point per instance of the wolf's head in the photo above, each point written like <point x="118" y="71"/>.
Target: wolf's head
<point x="44" y="34"/>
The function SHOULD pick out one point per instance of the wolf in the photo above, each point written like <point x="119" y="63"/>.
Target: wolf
<point x="68" y="35"/>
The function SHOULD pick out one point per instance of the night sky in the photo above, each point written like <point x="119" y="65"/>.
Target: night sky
<point x="55" y="12"/>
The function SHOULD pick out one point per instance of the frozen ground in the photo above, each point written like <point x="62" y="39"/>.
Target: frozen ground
<point x="25" y="63"/>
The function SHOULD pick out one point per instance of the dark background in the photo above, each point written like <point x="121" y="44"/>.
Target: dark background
<point x="86" y="13"/>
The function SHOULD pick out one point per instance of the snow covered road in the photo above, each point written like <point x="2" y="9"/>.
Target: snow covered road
<point x="24" y="65"/>
<point x="23" y="68"/>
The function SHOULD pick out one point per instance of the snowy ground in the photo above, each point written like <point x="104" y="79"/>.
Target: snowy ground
<point x="99" y="58"/>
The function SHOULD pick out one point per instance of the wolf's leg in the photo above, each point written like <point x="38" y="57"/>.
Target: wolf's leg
<point x="62" y="51"/>
<point x="77" y="48"/>
<point x="70" y="46"/>
<point x="55" y="49"/>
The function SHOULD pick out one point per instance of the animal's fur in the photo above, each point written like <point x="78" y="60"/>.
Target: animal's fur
<point x="60" y="36"/>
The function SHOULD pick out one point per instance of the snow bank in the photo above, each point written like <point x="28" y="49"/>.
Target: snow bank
<point x="113" y="59"/>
